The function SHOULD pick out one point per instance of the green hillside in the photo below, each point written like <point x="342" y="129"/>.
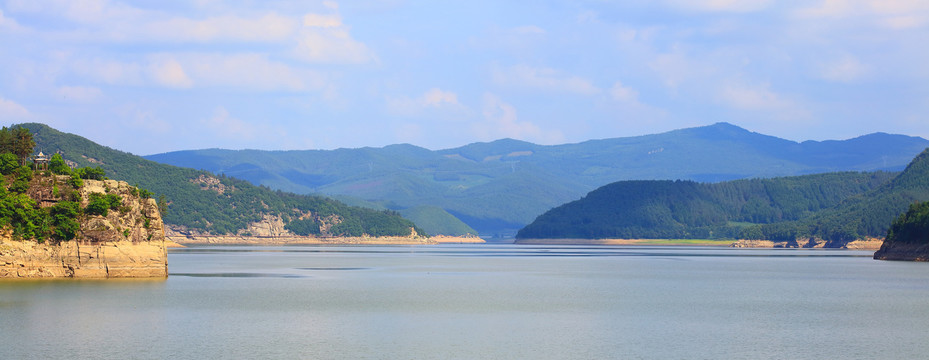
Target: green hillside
<point x="438" y="220"/>
<point x="837" y="207"/>
<point x="498" y="187"/>
<point x="220" y="205"/>
<point x="662" y="209"/>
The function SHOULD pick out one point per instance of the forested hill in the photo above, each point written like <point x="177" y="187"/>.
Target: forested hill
<point x="199" y="200"/>
<point x="836" y="207"/>
<point x="498" y="187"/>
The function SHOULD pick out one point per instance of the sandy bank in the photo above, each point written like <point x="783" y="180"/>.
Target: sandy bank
<point x="443" y="239"/>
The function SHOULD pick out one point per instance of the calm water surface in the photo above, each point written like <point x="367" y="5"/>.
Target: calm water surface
<point x="490" y="301"/>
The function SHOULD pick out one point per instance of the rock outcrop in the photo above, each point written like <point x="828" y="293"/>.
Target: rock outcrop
<point x="128" y="242"/>
<point x="809" y="243"/>
<point x="903" y="252"/>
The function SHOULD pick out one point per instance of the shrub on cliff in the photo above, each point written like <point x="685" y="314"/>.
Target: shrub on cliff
<point x="101" y="204"/>
<point x="91" y="173"/>
<point x="58" y="166"/>
<point x="64" y="223"/>
<point x="22" y="177"/>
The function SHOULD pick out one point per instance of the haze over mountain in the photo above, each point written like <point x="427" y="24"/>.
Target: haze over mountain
<point x="498" y="187"/>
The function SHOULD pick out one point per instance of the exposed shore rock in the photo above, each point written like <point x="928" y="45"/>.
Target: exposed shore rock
<point x="75" y="259"/>
<point x="903" y="252"/>
<point x="864" y="244"/>
<point x="270" y="231"/>
<point x="300" y="240"/>
<point x="467" y="239"/>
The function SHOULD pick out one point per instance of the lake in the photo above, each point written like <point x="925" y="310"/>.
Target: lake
<point x="481" y="302"/>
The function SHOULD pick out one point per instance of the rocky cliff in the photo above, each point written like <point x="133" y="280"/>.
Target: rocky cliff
<point x="127" y="241"/>
<point x="903" y="252"/>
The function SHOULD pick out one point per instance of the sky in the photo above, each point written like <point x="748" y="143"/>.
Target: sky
<point x="154" y="76"/>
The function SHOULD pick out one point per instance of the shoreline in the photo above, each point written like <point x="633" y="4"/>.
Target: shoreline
<point x="866" y="244"/>
<point x="182" y="240"/>
<point x="298" y="240"/>
<point x="640" y="242"/>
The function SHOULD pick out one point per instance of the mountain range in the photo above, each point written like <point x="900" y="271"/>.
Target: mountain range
<point x="498" y="187"/>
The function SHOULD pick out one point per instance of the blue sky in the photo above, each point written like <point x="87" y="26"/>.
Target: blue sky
<point x="153" y="76"/>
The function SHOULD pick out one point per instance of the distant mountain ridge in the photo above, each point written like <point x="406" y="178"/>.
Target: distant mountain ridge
<point x="498" y="187"/>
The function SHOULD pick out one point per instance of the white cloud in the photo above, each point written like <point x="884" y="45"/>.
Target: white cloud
<point x="434" y="98"/>
<point x="738" y="6"/>
<point x="893" y="14"/>
<point x="331" y="45"/>
<point x="905" y="21"/>
<point x="322" y="20"/>
<point x="543" y="79"/>
<point x="143" y="119"/>
<point x="674" y="68"/>
<point x="9" y="24"/>
<point x="501" y="120"/>
<point x="170" y="73"/>
<point x="758" y="98"/>
<point x="325" y="39"/>
<point x="846" y="69"/>
<point x="268" y="28"/>
<point x="10" y="110"/>
<point x="251" y="72"/>
<point x="254" y="72"/>
<point x="622" y="93"/>
<point x="114" y="21"/>
<point x="246" y="133"/>
<point x="331" y="5"/>
<point x="227" y="126"/>
<point x="108" y="71"/>
<point x="408" y="132"/>
<point x="81" y="94"/>
<point x="529" y="30"/>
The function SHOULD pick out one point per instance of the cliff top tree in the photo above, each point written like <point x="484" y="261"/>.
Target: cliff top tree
<point x="17" y="141"/>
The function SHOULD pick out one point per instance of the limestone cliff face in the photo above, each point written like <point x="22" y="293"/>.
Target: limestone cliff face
<point x="77" y="259"/>
<point x="136" y="220"/>
<point x="128" y="242"/>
